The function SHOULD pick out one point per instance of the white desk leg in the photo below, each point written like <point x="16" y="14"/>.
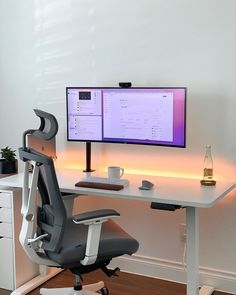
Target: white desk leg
<point x="192" y="227"/>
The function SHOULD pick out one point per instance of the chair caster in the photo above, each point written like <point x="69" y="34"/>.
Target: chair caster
<point x="104" y="291"/>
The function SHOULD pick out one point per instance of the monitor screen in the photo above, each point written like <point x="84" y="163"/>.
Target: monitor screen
<point x="153" y="116"/>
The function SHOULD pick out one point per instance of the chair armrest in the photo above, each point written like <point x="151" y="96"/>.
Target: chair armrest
<point x="94" y="220"/>
<point x="95" y="216"/>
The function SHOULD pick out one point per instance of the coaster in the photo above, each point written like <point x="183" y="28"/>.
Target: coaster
<point x="208" y="182"/>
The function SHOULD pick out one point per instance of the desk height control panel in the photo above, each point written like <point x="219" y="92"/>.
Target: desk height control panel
<point x="15" y="266"/>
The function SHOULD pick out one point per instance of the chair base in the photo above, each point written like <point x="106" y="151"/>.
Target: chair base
<point x="91" y="289"/>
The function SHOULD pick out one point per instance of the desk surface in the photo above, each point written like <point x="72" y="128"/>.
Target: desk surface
<point x="171" y="190"/>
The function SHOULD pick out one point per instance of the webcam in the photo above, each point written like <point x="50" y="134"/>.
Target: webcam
<point x="125" y="84"/>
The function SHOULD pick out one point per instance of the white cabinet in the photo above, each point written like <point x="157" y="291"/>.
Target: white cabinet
<point x="15" y="266"/>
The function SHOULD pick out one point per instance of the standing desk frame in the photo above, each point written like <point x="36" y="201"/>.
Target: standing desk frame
<point x="170" y="190"/>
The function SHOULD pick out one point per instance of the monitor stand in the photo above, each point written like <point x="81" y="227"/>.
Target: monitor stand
<point x="88" y="158"/>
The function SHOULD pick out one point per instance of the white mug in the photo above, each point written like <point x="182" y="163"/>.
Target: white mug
<point x="115" y="172"/>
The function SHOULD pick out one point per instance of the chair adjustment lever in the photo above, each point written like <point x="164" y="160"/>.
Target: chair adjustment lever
<point x="37" y="238"/>
<point x="110" y="272"/>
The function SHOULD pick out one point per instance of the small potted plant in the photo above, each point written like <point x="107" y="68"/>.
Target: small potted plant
<point x="8" y="161"/>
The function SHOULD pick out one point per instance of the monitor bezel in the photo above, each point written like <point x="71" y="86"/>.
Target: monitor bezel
<point x="124" y="142"/>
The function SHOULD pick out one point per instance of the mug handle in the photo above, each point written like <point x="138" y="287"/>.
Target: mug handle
<point x="122" y="170"/>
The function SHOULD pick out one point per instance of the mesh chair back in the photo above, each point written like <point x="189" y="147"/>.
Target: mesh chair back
<point x="51" y="215"/>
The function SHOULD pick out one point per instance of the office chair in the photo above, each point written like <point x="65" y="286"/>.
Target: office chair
<point x="80" y="243"/>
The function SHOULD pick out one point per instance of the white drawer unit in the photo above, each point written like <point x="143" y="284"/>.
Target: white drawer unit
<point x="5" y="215"/>
<point x="6" y="274"/>
<point x="5" y="200"/>
<point x="5" y="230"/>
<point x="15" y="267"/>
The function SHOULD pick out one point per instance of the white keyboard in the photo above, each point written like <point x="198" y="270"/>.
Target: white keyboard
<point x="124" y="182"/>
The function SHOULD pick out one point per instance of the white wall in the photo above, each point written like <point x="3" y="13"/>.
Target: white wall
<point x="47" y="45"/>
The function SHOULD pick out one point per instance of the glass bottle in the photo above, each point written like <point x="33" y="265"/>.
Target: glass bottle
<point x="208" y="165"/>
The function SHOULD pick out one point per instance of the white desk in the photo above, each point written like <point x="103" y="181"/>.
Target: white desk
<point x="185" y="192"/>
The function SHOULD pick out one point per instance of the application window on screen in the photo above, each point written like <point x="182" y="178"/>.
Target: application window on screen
<point x="138" y="115"/>
<point x="85" y="114"/>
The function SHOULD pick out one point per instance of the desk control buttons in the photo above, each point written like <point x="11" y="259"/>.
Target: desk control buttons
<point x="163" y="206"/>
<point x="146" y="185"/>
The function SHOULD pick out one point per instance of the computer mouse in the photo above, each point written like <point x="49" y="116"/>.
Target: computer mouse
<point x="146" y="185"/>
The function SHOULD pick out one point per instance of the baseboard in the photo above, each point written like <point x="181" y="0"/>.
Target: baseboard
<point x="174" y="271"/>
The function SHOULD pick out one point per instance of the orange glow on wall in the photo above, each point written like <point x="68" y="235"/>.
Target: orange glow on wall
<point x="69" y="160"/>
<point x="158" y="172"/>
<point x="140" y="161"/>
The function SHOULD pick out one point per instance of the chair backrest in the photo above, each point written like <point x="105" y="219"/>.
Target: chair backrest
<point x="51" y="213"/>
<point x="47" y="234"/>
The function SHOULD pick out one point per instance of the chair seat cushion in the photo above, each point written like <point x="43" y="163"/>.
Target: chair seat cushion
<point x="114" y="241"/>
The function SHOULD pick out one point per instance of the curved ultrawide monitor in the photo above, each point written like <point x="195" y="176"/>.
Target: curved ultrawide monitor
<point x="152" y="116"/>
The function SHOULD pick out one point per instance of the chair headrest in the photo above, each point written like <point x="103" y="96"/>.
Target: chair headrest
<point x="48" y="125"/>
<point x="47" y="130"/>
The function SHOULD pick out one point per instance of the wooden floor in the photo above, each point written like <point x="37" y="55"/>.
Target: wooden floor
<point x="125" y="284"/>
